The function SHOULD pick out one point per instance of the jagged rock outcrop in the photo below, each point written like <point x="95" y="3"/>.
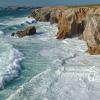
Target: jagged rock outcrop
<point x="72" y="22"/>
<point x="27" y="32"/>
<point x="92" y="34"/>
<point x="69" y="26"/>
<point x="75" y="23"/>
<point x="41" y="14"/>
<point x="51" y="14"/>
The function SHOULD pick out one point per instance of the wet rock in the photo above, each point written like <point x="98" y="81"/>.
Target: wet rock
<point x="27" y="32"/>
<point x="12" y="34"/>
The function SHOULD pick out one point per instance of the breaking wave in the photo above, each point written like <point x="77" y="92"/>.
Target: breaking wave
<point x="72" y="75"/>
<point x="10" y="59"/>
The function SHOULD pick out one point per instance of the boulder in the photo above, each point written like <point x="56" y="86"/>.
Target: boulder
<point x="92" y="34"/>
<point x="27" y="32"/>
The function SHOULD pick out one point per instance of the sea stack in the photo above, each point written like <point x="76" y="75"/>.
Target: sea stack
<point x="27" y="32"/>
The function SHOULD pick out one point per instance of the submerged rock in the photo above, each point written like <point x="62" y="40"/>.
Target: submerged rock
<point x="27" y="32"/>
<point x="12" y="34"/>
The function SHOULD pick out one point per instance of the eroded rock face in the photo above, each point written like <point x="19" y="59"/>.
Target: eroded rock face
<point x="73" y="22"/>
<point x="64" y="28"/>
<point x="55" y="16"/>
<point x="92" y="34"/>
<point x="29" y="31"/>
<point x="76" y="20"/>
<point x="51" y="14"/>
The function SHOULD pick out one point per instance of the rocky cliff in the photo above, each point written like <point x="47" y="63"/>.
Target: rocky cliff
<point x="74" y="21"/>
<point x="92" y="33"/>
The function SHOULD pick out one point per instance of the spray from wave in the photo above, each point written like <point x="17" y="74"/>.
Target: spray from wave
<point x="10" y="59"/>
<point x="69" y="76"/>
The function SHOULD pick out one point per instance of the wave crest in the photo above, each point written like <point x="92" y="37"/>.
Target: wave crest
<point x="10" y="59"/>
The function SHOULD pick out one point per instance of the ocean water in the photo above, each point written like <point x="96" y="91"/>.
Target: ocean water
<point x="40" y="67"/>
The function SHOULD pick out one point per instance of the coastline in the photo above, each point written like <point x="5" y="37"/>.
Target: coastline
<point x="52" y="68"/>
<point x="73" y="21"/>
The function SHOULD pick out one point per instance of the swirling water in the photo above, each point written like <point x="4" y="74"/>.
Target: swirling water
<point x="40" y="67"/>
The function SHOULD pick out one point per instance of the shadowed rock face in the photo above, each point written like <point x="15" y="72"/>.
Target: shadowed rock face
<point x="29" y="31"/>
<point x="67" y="27"/>
<point x="73" y="22"/>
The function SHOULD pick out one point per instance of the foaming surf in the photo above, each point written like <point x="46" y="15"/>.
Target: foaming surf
<point x="10" y="67"/>
<point x="17" y="21"/>
<point x="72" y="75"/>
<point x="1" y="33"/>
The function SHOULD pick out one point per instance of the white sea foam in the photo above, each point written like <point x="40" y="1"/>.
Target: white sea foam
<point x="18" y="21"/>
<point x="10" y="59"/>
<point x="14" y="21"/>
<point x="1" y="32"/>
<point x="46" y="31"/>
<point x="73" y="75"/>
<point x="58" y="85"/>
<point x="30" y="20"/>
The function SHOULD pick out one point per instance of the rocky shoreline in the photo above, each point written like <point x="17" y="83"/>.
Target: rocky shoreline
<point x="27" y="32"/>
<point x="74" y="21"/>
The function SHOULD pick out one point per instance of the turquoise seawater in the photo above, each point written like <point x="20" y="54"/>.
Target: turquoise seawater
<point x="30" y="62"/>
<point x="40" y="67"/>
